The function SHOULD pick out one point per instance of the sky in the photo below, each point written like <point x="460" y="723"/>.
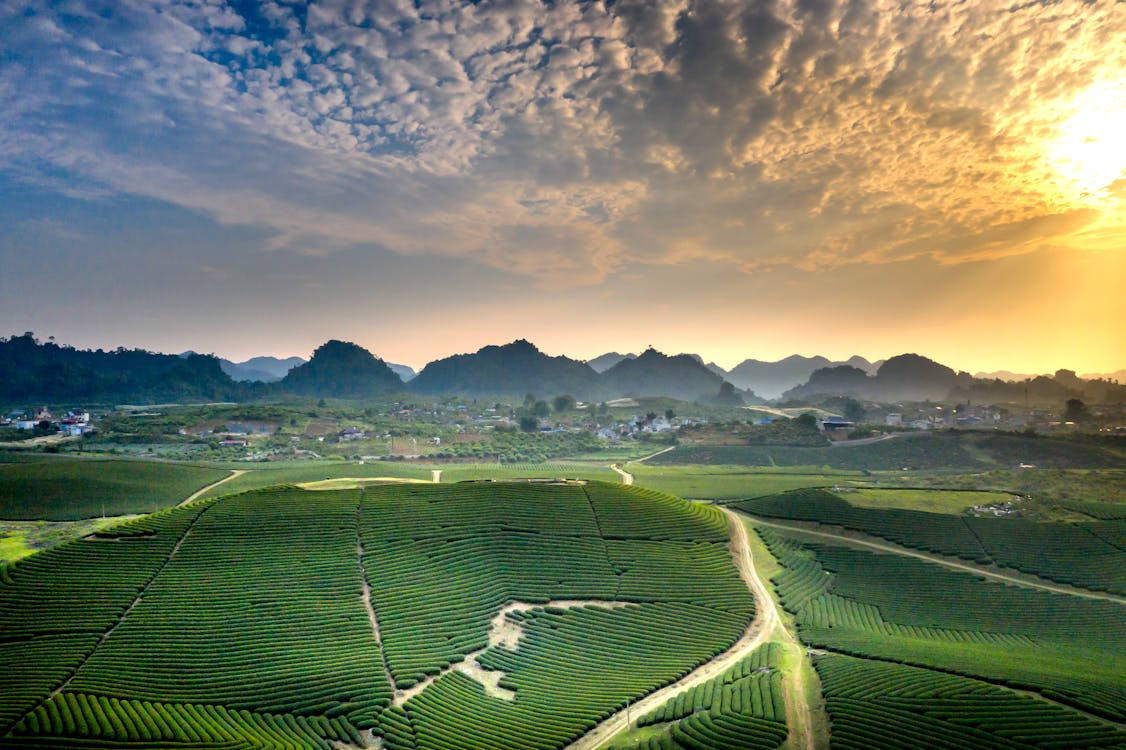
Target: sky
<point x="739" y="179"/>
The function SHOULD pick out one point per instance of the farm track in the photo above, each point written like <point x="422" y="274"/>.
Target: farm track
<point x="105" y="636"/>
<point x="764" y="626"/>
<point x="200" y="492"/>
<point x="1026" y="580"/>
<point x="627" y="478"/>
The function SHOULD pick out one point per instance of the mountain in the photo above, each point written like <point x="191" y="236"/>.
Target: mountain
<point x="35" y="371"/>
<point x="770" y="379"/>
<point x="262" y="369"/>
<point x="656" y="374"/>
<point x="405" y="372"/>
<point x="604" y="362"/>
<point x="1006" y="375"/>
<point x="341" y="369"/>
<point x="512" y="369"/>
<point x="907" y="377"/>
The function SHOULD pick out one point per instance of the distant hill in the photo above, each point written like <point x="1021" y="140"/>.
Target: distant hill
<point x="512" y="369"/>
<point x="604" y="362"/>
<point x="341" y="369"/>
<point x="31" y="370"/>
<point x="655" y="374"/>
<point x="262" y="369"/>
<point x="404" y="372"/>
<point x="770" y="379"/>
<point x="907" y="377"/>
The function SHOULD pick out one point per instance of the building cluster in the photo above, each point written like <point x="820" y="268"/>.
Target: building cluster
<point x="74" y="423"/>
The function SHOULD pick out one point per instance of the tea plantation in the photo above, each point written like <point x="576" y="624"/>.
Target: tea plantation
<point x="943" y="658"/>
<point x="317" y="619"/>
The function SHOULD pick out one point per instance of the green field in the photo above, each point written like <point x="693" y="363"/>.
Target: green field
<point x="937" y="451"/>
<point x="1082" y="554"/>
<point x="931" y="501"/>
<point x="731" y="482"/>
<point x="884" y="608"/>
<point x="742" y="709"/>
<point x="242" y="621"/>
<point x="62" y="488"/>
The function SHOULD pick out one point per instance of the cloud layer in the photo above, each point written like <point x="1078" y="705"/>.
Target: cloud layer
<point x="569" y="142"/>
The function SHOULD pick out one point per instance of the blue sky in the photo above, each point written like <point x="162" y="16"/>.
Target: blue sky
<point x="733" y="178"/>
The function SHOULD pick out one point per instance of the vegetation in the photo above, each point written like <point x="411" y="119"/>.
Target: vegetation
<point x="741" y="709"/>
<point x="242" y="620"/>
<point x="1077" y="554"/>
<point x="901" y="609"/>
<point x="63" y="488"/>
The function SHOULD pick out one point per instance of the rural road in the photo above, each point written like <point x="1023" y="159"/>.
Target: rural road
<point x="964" y="567"/>
<point x="198" y="493"/>
<point x="627" y="478"/>
<point x="761" y="629"/>
<point x="868" y="441"/>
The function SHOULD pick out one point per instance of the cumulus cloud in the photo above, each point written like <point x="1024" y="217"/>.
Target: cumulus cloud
<point x="569" y="137"/>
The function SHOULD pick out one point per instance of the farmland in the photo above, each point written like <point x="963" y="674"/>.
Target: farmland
<point x="61" y="488"/>
<point x="282" y="617"/>
<point x="489" y="611"/>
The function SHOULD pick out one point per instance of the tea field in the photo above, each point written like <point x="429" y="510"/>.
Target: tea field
<point x="289" y="618"/>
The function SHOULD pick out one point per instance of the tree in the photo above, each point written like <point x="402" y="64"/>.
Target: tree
<point x="563" y="403"/>
<point x="541" y="409"/>
<point x="854" y="410"/>
<point x="1076" y="411"/>
<point x="529" y="423"/>
<point x="670" y="414"/>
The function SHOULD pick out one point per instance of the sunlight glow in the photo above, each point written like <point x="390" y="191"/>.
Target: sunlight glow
<point x="1090" y="150"/>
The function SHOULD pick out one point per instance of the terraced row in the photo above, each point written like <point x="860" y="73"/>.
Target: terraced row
<point x="902" y="609"/>
<point x="1090" y="555"/>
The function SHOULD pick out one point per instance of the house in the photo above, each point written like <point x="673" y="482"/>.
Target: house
<point x="894" y="420"/>
<point x="835" y="424"/>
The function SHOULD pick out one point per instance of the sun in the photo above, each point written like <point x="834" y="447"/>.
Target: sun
<point x="1089" y="152"/>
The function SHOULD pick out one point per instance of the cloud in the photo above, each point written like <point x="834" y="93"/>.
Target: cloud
<point x="568" y="138"/>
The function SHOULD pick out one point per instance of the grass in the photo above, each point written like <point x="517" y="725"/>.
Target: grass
<point x="951" y="502"/>
<point x="730" y="482"/>
<point x="68" y="489"/>
<point x="299" y="472"/>
<point x="22" y="538"/>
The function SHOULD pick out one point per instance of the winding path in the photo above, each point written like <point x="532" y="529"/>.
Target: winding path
<point x="896" y="549"/>
<point x="766" y="623"/>
<point x="199" y="493"/>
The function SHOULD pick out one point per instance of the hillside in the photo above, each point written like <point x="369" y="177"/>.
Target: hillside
<point x="261" y="369"/>
<point x="655" y="374"/>
<point x="343" y="370"/>
<point x="31" y="370"/>
<point x="771" y="379"/>
<point x="512" y="369"/>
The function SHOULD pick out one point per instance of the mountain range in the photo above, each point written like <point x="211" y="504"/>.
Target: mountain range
<point x="33" y="371"/>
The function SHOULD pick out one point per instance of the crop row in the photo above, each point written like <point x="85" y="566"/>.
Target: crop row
<point x="752" y="686"/>
<point x="1080" y="554"/>
<point x="905" y="609"/>
<point x="435" y="588"/>
<point x="875" y="705"/>
<point x="259" y="609"/>
<point x="98" y="719"/>
<point x="572" y="668"/>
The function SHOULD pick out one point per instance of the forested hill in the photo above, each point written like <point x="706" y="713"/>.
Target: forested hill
<point x="44" y="371"/>
<point x="343" y="370"/>
<point x="515" y="368"/>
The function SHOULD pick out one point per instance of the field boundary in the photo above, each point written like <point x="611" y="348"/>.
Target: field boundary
<point x="101" y="640"/>
<point x="201" y="491"/>
<point x="1026" y="580"/>
<point x="758" y="632"/>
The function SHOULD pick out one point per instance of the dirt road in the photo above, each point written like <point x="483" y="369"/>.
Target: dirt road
<point x="199" y="493"/>
<point x="761" y="629"/>
<point x="627" y="478"/>
<point x="964" y="567"/>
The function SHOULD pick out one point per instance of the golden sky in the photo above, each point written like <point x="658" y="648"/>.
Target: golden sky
<point x="737" y="179"/>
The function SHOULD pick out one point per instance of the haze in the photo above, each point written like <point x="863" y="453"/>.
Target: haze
<point x="737" y="179"/>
